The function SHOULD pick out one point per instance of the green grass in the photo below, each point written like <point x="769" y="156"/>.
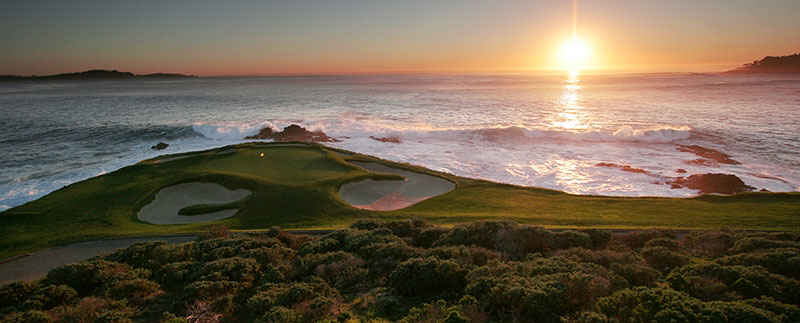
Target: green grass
<point x="296" y="188"/>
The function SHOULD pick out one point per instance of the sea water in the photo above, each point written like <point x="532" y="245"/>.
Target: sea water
<point x="546" y="131"/>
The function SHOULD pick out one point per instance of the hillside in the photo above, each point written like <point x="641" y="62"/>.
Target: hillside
<point x="788" y="64"/>
<point x="93" y="75"/>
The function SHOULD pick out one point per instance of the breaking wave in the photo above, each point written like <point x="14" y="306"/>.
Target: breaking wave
<point x="366" y="129"/>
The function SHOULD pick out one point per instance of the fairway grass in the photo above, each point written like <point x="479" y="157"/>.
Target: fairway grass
<point x="296" y="187"/>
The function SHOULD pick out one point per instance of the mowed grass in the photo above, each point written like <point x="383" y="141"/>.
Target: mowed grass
<point x="296" y="188"/>
<point x="279" y="164"/>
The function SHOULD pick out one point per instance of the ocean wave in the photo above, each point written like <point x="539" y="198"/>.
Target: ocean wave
<point x="362" y="129"/>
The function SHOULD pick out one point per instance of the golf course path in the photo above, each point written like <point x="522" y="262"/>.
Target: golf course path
<point x="38" y="264"/>
<point x="387" y="195"/>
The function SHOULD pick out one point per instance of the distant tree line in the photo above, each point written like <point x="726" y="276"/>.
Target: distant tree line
<point x="772" y="64"/>
<point x="411" y="271"/>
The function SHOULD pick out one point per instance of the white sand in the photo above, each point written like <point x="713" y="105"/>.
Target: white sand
<point x="387" y="195"/>
<point x="168" y="201"/>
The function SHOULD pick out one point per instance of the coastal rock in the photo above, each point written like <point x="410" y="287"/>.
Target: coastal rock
<point x="293" y="133"/>
<point x="386" y="139"/>
<point x="702" y="162"/>
<point x="160" y="146"/>
<point x="265" y="133"/>
<point x="712" y="154"/>
<point x="626" y="168"/>
<point x="680" y="170"/>
<point x="713" y="183"/>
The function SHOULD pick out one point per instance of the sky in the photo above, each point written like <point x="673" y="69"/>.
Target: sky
<point x="362" y="36"/>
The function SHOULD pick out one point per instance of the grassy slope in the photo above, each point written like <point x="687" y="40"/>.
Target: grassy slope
<point x="295" y="187"/>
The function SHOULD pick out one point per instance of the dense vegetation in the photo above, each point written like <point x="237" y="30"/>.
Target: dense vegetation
<point x="296" y="188"/>
<point x="416" y="272"/>
<point x="772" y="64"/>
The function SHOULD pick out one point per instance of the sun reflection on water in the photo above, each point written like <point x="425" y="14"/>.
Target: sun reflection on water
<point x="570" y="114"/>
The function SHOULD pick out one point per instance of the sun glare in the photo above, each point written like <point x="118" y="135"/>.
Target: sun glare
<point x="575" y="54"/>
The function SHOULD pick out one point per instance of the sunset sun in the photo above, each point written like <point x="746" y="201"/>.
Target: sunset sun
<point x="574" y="54"/>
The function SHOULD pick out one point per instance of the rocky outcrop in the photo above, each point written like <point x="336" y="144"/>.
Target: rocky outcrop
<point x="712" y="183"/>
<point x="626" y="168"/>
<point x="160" y="146"/>
<point x="393" y="140"/>
<point x="292" y="133"/>
<point x="712" y="154"/>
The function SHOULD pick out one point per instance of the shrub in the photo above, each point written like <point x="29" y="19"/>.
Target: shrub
<point x="49" y="296"/>
<point x="238" y="269"/>
<point x="637" y="238"/>
<point x="708" y="243"/>
<point x="753" y="244"/>
<point x="14" y="294"/>
<point x="783" y="261"/>
<point x="428" y="236"/>
<point x="635" y="274"/>
<point x="671" y="244"/>
<point x="32" y="316"/>
<point x="600" y="238"/>
<point x="135" y="291"/>
<point x="466" y="256"/>
<point x="663" y="259"/>
<point x="86" y="277"/>
<point x="428" y="278"/>
<point x="605" y="258"/>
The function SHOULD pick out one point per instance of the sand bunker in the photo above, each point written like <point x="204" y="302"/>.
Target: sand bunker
<point x="387" y="195"/>
<point x="168" y="201"/>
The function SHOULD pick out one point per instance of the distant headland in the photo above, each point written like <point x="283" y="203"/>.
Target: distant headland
<point x="94" y="75"/>
<point x="771" y="65"/>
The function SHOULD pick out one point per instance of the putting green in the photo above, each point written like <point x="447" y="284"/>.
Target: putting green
<point x="296" y="186"/>
<point x="280" y="164"/>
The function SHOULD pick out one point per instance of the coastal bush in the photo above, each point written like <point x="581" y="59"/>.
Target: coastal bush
<point x="757" y="243"/>
<point x="636" y="239"/>
<point x="664" y="259"/>
<point x="428" y="278"/>
<point x="408" y="270"/>
<point x="86" y="277"/>
<point x="782" y="261"/>
<point x="642" y="304"/>
<point x="708" y="243"/>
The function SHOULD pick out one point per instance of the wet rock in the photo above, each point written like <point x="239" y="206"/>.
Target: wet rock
<point x="626" y="168"/>
<point x="160" y="146"/>
<point x="386" y="139"/>
<point x="680" y="171"/>
<point x="702" y="162"/>
<point x="293" y="133"/>
<point x="265" y="133"/>
<point x="713" y="183"/>
<point x="712" y="154"/>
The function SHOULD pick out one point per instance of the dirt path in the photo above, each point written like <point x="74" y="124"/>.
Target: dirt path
<point x="38" y="264"/>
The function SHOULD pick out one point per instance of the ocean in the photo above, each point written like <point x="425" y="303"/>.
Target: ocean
<point x="575" y="133"/>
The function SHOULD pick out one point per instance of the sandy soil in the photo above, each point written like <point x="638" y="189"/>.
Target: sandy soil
<point x="40" y="263"/>
<point x="386" y="195"/>
<point x="168" y="201"/>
